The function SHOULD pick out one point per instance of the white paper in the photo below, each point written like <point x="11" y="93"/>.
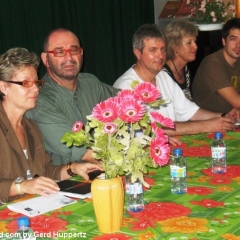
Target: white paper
<point x="41" y="204"/>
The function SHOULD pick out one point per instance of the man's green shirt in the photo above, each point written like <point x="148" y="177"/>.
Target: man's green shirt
<point x="58" y="108"/>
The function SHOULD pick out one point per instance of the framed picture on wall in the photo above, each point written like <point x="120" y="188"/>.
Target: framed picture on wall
<point x="166" y="10"/>
<point x="170" y="9"/>
<point x="185" y="9"/>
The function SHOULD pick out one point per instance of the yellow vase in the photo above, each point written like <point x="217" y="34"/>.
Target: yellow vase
<point x="108" y="202"/>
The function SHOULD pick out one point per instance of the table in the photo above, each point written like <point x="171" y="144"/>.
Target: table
<point x="210" y="210"/>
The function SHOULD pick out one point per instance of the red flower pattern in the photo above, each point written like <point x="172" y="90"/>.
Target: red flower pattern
<point x="116" y="236"/>
<point x="220" y="180"/>
<point x="203" y="151"/>
<point x="55" y="214"/>
<point x="208" y="203"/>
<point x="150" y="181"/>
<point x="195" y="151"/>
<point x="42" y="224"/>
<point x="158" y="211"/>
<point x="143" y="223"/>
<point x="199" y="190"/>
<point x="8" y="214"/>
<point x="232" y="172"/>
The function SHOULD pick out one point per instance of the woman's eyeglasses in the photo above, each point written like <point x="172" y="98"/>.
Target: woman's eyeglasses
<point x="28" y="84"/>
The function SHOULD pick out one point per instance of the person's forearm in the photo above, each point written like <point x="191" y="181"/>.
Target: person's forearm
<point x="203" y="114"/>
<point x="190" y="127"/>
<point x="197" y="123"/>
<point x="217" y="124"/>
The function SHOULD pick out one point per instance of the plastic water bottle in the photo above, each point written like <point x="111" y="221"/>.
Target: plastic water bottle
<point x="218" y="150"/>
<point x="134" y="195"/>
<point x="178" y="171"/>
<point x="24" y="231"/>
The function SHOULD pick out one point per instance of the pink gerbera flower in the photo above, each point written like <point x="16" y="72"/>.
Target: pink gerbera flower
<point x="131" y="110"/>
<point x="117" y="100"/>
<point x="77" y="126"/>
<point x="154" y="127"/>
<point x="106" y="111"/>
<point x="109" y="128"/>
<point x="159" y="132"/>
<point x="147" y="92"/>
<point x="161" y="120"/>
<point x="159" y="151"/>
<point x="126" y="93"/>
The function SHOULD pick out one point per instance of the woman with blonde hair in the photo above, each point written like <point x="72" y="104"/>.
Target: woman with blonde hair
<point x="181" y="37"/>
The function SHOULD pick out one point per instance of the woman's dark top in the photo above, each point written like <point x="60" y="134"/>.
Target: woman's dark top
<point x="184" y="86"/>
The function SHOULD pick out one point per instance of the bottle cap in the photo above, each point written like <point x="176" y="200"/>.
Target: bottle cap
<point x="218" y="135"/>
<point x="177" y="151"/>
<point x="23" y="221"/>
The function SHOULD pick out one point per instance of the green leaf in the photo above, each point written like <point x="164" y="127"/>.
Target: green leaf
<point x="134" y="83"/>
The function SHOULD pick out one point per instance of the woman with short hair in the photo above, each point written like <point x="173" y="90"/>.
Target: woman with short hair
<point x="22" y="151"/>
<point x="181" y="37"/>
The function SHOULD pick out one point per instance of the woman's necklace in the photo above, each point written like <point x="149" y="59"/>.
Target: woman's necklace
<point x="180" y="75"/>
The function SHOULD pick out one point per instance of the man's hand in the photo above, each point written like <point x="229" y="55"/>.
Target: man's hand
<point x="234" y="113"/>
<point x="174" y="141"/>
<point x="221" y="124"/>
<point x="83" y="169"/>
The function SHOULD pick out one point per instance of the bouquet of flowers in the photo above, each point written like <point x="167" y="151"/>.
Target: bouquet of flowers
<point x="212" y="11"/>
<point x="122" y="135"/>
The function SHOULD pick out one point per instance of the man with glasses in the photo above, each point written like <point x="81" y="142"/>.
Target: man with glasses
<point x="67" y="96"/>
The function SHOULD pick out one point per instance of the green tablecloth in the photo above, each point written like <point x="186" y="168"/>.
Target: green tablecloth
<point x="210" y="209"/>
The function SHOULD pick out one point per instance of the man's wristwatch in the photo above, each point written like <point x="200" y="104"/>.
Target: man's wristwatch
<point x="18" y="182"/>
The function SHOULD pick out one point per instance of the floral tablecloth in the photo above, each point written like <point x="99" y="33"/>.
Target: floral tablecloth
<point x="210" y="210"/>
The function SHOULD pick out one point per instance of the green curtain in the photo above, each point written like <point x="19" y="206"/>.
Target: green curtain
<point x="104" y="27"/>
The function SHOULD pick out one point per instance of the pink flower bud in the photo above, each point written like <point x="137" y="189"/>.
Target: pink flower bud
<point x="77" y="126"/>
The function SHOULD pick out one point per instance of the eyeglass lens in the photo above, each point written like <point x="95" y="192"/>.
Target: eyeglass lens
<point x="62" y="52"/>
<point x="29" y="84"/>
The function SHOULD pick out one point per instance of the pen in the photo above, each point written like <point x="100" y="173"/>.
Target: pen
<point x="75" y="186"/>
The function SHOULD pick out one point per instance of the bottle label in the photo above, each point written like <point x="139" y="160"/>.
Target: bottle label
<point x="177" y="171"/>
<point x="218" y="152"/>
<point x="134" y="188"/>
